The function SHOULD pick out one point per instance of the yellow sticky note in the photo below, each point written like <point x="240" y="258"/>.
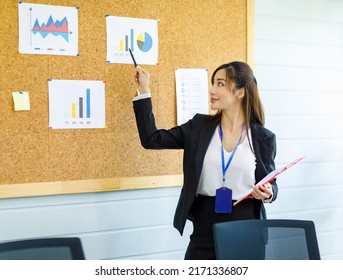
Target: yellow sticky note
<point x="21" y="100"/>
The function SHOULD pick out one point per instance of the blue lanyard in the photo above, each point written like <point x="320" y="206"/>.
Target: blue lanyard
<point x="226" y="167"/>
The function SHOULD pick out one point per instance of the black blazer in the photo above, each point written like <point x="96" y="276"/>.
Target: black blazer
<point x="194" y="137"/>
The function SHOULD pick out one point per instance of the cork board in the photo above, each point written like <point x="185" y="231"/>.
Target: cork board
<point x="36" y="160"/>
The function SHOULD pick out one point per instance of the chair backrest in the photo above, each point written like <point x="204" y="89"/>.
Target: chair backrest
<point x="42" y="249"/>
<point x="266" y="240"/>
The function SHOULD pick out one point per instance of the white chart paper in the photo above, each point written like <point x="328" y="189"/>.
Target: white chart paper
<point x="139" y="35"/>
<point x="48" y="29"/>
<point x="191" y="93"/>
<point x="76" y="104"/>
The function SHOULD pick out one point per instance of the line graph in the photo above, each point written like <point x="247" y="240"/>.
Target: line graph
<point x="48" y="29"/>
<point x="55" y="28"/>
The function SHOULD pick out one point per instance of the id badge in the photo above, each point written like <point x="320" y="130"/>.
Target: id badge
<point x="223" y="200"/>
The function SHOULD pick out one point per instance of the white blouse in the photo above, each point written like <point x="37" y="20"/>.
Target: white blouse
<point x="240" y="176"/>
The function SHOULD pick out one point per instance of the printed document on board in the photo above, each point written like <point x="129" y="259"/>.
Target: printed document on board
<point x="191" y="93"/>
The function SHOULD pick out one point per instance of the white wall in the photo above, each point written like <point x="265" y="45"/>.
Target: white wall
<point x="299" y="68"/>
<point x="113" y="225"/>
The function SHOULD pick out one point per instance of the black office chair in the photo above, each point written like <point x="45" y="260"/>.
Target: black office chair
<point x="43" y="249"/>
<point x="266" y="240"/>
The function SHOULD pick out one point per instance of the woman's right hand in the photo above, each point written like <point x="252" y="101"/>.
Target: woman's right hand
<point x="142" y="78"/>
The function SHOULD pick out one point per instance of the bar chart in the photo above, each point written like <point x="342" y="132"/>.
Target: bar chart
<point x="127" y="42"/>
<point x="76" y="104"/>
<point x="139" y="35"/>
<point x="77" y="107"/>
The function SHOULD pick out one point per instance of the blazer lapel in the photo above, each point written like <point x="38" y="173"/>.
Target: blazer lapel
<point x="205" y="137"/>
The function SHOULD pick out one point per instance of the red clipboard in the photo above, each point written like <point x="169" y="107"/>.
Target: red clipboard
<point x="270" y="177"/>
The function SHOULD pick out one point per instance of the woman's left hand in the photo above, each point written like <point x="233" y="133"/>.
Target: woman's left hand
<point x="262" y="192"/>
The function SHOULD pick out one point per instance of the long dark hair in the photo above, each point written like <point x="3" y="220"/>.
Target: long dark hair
<point x="240" y="75"/>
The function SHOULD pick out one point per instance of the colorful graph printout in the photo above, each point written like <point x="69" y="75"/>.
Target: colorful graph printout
<point x="47" y="29"/>
<point x="139" y="35"/>
<point x="76" y="104"/>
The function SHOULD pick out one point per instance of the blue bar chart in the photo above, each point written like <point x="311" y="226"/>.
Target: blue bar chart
<point x="139" y="35"/>
<point x="76" y="104"/>
<point x="77" y="107"/>
<point x="127" y="42"/>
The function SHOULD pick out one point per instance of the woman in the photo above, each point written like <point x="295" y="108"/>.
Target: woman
<point x="224" y="155"/>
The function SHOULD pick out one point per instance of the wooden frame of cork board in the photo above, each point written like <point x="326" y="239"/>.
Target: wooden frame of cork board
<point x="36" y="160"/>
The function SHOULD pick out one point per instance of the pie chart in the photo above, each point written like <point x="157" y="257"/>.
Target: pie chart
<point x="144" y="42"/>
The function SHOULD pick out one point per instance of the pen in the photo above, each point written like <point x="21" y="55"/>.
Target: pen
<point x="133" y="58"/>
<point x="135" y="63"/>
